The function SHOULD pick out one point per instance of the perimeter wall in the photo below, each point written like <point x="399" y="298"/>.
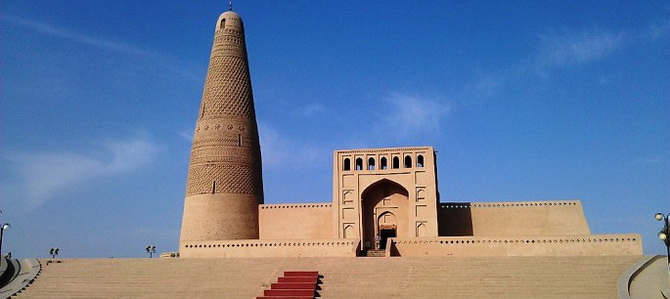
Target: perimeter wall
<point x="512" y="219"/>
<point x="270" y="248"/>
<point x="576" y="245"/>
<point x="296" y="221"/>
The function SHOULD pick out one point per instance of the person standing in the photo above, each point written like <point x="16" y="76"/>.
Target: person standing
<point x="378" y="240"/>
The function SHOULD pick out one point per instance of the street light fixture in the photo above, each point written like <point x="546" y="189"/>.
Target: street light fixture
<point x="151" y="249"/>
<point x="665" y="232"/>
<point x="4" y="227"/>
<point x="54" y="252"/>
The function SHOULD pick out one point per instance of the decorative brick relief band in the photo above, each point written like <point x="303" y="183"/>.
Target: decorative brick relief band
<point x="227" y="88"/>
<point x="221" y="178"/>
<point x="576" y="245"/>
<point x="229" y="42"/>
<point x="271" y="244"/>
<point x="297" y="206"/>
<point x="227" y="141"/>
<point x="507" y="204"/>
<point x="228" y="36"/>
<point x="555" y="240"/>
<point x="385" y="150"/>
<point x="215" y="155"/>
<point x="271" y="248"/>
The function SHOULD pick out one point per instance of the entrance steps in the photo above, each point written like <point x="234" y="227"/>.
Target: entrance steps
<point x="345" y="277"/>
<point x="294" y="284"/>
<point x="373" y="253"/>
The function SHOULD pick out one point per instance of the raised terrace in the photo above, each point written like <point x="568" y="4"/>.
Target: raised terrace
<point x="430" y="277"/>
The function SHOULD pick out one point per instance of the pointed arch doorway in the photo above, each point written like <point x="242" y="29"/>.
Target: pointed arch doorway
<point x="385" y="212"/>
<point x="387" y="227"/>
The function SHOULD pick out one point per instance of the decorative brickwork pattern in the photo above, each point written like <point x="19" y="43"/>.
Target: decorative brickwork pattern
<point x="218" y="154"/>
<point x="507" y="204"/>
<point x="225" y="157"/>
<point x="217" y="178"/>
<point x="227" y="88"/>
<point x="297" y="206"/>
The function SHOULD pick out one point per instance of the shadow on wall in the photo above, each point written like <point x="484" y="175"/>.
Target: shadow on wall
<point x="454" y="219"/>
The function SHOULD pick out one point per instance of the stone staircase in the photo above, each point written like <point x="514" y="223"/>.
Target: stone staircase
<point x="373" y="253"/>
<point x="401" y="277"/>
<point x="293" y="285"/>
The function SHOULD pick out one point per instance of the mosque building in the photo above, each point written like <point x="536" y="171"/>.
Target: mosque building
<point x="385" y="204"/>
<point x="385" y="201"/>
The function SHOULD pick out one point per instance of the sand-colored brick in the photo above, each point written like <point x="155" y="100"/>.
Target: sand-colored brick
<point x="432" y="277"/>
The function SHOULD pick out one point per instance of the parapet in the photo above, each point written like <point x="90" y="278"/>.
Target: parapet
<point x="296" y="221"/>
<point x="512" y="219"/>
<point x="271" y="248"/>
<point x="575" y="245"/>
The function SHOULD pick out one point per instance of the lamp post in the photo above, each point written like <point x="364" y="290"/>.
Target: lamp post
<point x="151" y="249"/>
<point x="54" y="252"/>
<point x="4" y="227"/>
<point x="664" y="234"/>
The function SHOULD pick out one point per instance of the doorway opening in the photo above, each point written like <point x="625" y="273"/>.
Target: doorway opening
<point x="385" y="232"/>
<point x="385" y="209"/>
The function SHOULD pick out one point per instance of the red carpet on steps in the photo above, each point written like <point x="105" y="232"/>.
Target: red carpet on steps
<point x="293" y="285"/>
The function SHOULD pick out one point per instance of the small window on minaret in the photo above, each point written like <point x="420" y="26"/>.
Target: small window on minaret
<point x="223" y="24"/>
<point x="239" y="139"/>
<point x="213" y="187"/>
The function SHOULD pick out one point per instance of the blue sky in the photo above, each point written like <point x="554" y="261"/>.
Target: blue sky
<point x="523" y="100"/>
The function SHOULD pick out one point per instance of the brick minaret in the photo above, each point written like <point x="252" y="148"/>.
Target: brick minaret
<point x="224" y="185"/>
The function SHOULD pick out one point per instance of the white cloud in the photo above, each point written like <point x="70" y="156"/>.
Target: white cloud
<point x="406" y="115"/>
<point x="572" y="49"/>
<point x="70" y="35"/>
<point x="186" y="135"/>
<point x="168" y="63"/>
<point x="309" y="110"/>
<point x="482" y="88"/>
<point x="281" y="152"/>
<point x="42" y="176"/>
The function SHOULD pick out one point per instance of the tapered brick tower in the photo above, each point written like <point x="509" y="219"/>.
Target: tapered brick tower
<point x="225" y="185"/>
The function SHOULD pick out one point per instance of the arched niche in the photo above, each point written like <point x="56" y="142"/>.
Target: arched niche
<point x="386" y="203"/>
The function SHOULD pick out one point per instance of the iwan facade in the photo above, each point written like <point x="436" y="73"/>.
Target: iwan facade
<point x="386" y="198"/>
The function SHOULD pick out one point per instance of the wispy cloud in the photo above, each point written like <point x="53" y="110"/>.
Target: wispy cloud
<point x="43" y="175"/>
<point x="280" y="151"/>
<point x="552" y="51"/>
<point x="574" y="49"/>
<point x="166" y="62"/>
<point x="482" y="88"/>
<point x="309" y="110"/>
<point x="408" y="114"/>
<point x="186" y="135"/>
<point x="653" y="159"/>
<point x="106" y="44"/>
<point x="658" y="30"/>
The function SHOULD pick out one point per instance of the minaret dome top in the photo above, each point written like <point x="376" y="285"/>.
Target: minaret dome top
<point x="229" y="18"/>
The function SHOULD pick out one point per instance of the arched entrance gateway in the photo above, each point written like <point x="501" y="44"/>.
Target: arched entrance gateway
<point x="385" y="205"/>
